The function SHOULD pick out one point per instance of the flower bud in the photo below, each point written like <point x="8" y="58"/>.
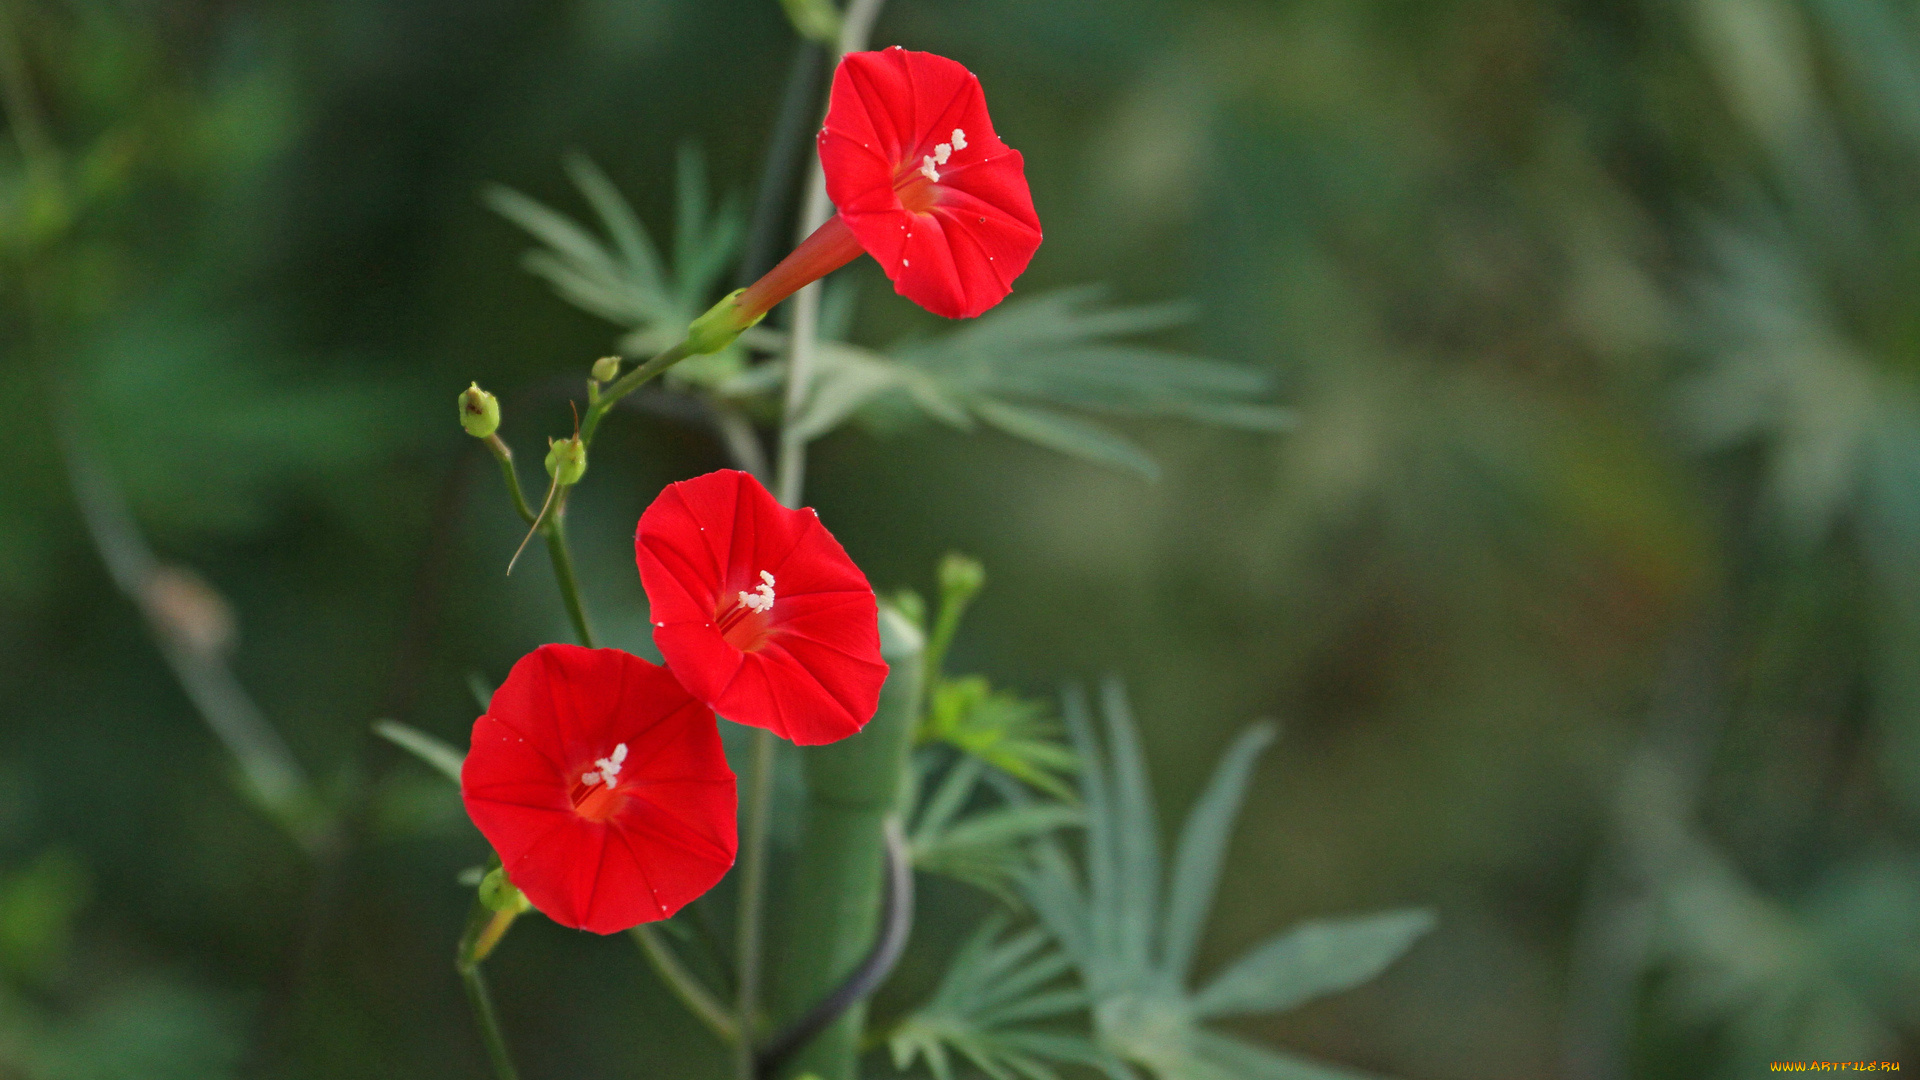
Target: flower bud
<point x="815" y="20"/>
<point x="723" y="322"/>
<point x="566" y="460"/>
<point x="961" y="576"/>
<point x="911" y="606"/>
<point x="499" y="894"/>
<point x="606" y="369"/>
<point x="479" y="412"/>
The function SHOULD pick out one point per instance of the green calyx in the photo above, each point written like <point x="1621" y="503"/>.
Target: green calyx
<point x="499" y="894"/>
<point x="479" y="412"/>
<point x="566" y="460"/>
<point x="718" y="328"/>
<point x="606" y="369"/>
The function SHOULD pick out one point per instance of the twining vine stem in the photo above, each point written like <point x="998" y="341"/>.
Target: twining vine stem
<point x="855" y="28"/>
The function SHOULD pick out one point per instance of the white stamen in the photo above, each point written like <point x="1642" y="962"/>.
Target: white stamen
<point x="927" y="170"/>
<point x="959" y="139"/>
<point x="941" y="153"/>
<point x="608" y="768"/>
<point x="906" y="262"/>
<point x="761" y="598"/>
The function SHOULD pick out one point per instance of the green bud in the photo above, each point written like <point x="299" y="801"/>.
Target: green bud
<point x="479" y="412"/>
<point x="961" y="575"/>
<point x="911" y="605"/>
<point x="719" y="326"/>
<point x="499" y="894"/>
<point x="566" y="460"/>
<point x="815" y="20"/>
<point x="606" y="369"/>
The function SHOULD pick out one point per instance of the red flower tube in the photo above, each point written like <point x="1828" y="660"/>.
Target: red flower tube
<point x="601" y="783"/>
<point x="922" y="184"/>
<point x="758" y="610"/>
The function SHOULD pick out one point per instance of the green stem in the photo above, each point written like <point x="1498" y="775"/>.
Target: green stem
<point x="688" y="988"/>
<point x="832" y="910"/>
<point x="504" y="455"/>
<point x="753" y="872"/>
<point x="482" y="1002"/>
<point x="484" y="930"/>
<point x="856" y="26"/>
<point x="627" y="384"/>
<point x="562" y="559"/>
<point x="944" y="626"/>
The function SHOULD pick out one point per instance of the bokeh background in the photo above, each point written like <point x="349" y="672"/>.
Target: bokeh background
<point x="1586" y="589"/>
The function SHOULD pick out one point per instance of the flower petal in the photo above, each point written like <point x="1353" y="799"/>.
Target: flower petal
<point x="957" y="253"/>
<point x="814" y="675"/>
<point x="669" y="838"/>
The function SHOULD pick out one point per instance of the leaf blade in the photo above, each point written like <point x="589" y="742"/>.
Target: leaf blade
<point x="1310" y="961"/>
<point x="1202" y="849"/>
<point x="440" y="755"/>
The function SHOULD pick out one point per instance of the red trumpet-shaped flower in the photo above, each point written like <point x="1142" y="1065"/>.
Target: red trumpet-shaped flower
<point x="758" y="610"/>
<point x="922" y="184"/>
<point x="601" y="783"/>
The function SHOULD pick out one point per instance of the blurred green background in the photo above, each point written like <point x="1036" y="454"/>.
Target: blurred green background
<point x="1587" y="589"/>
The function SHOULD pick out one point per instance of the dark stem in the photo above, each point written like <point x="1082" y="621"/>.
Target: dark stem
<point x="873" y="970"/>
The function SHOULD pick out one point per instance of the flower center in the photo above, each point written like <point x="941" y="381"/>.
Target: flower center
<point x="930" y="164"/>
<point x="914" y="187"/>
<point x="744" y="623"/>
<point x="596" y="795"/>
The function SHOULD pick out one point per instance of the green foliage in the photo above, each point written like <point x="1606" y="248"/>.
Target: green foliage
<point x="444" y="759"/>
<point x="1016" y="735"/>
<point x="1134" y="953"/>
<point x="141" y="1028"/>
<point x="994" y="988"/>
<point x="1129" y="946"/>
<point x="987" y="848"/>
<point x="1011" y="367"/>
<point x="624" y="279"/>
<point x="136" y="1027"/>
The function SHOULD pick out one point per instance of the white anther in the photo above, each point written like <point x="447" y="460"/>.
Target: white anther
<point x="608" y="768"/>
<point x="761" y="598"/>
<point x="941" y="153"/>
<point x="959" y="139"/>
<point x="927" y="170"/>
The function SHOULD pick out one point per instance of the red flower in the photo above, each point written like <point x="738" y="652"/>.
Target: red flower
<point x="758" y="610"/>
<point x="922" y="184"/>
<point x="602" y="785"/>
